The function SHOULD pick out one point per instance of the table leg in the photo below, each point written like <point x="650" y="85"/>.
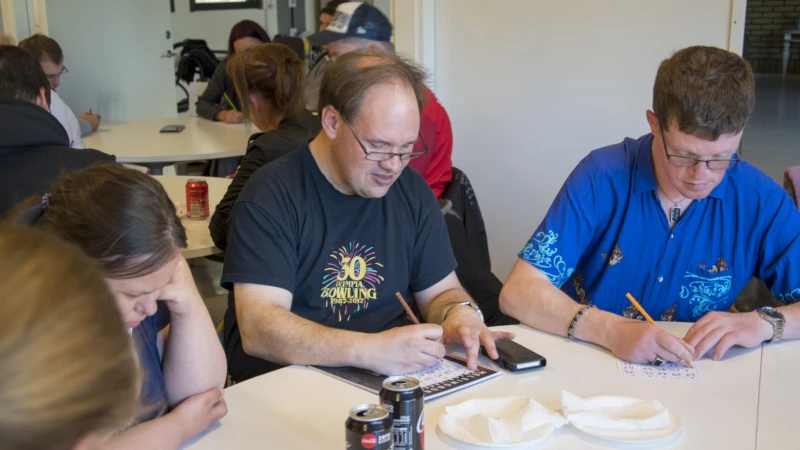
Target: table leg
<point x="156" y="169"/>
<point x="786" y="53"/>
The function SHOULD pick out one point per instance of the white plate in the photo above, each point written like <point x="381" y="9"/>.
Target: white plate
<point x="537" y="435"/>
<point x="633" y="437"/>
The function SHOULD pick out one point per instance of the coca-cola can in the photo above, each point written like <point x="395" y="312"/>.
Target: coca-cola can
<point x="197" y="199"/>
<point x="404" y="399"/>
<point x="369" y="427"/>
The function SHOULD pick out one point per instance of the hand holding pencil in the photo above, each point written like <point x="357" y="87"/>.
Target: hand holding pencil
<point x="686" y="360"/>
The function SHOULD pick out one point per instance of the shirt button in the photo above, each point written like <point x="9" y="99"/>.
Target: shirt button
<point x="660" y="279"/>
<point x="671" y="235"/>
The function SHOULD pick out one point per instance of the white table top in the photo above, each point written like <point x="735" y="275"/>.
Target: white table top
<point x="297" y="407"/>
<point x="139" y="141"/>
<point x="780" y="392"/>
<point x="197" y="233"/>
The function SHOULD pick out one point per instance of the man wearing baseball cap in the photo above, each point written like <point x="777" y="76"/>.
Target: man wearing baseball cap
<point x="356" y="26"/>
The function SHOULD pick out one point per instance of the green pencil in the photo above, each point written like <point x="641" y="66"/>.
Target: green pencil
<point x="233" y="107"/>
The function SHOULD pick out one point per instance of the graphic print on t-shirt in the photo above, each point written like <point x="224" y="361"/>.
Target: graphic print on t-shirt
<point x="351" y="280"/>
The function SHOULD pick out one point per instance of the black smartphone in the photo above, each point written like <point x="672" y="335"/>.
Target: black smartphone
<point x="172" y="128"/>
<point x="515" y="357"/>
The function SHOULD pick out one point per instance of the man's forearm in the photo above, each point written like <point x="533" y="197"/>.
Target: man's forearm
<point x="278" y="335"/>
<point x="792" y="315"/>
<point x="535" y="301"/>
<point x="436" y="311"/>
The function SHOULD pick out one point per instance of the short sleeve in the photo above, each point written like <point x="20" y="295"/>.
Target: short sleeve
<point x="262" y="247"/>
<point x="779" y="256"/>
<point x="560" y="240"/>
<point x="433" y="257"/>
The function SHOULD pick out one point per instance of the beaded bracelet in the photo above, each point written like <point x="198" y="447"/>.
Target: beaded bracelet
<point x="571" y="328"/>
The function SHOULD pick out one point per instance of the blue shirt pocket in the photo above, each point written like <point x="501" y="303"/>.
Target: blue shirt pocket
<point x="703" y="290"/>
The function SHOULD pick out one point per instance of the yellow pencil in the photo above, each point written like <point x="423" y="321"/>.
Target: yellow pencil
<point x="649" y="319"/>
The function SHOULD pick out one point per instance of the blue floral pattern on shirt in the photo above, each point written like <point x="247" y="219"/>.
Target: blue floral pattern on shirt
<point x="706" y="294"/>
<point x="787" y="298"/>
<point x="538" y="253"/>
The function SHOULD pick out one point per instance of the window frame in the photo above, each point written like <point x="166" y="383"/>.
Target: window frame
<point x="216" y="6"/>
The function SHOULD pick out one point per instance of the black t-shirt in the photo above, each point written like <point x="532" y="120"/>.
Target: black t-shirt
<point x="342" y="256"/>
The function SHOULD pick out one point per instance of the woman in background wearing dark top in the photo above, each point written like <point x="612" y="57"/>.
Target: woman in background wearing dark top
<point x="125" y="221"/>
<point x="271" y="77"/>
<point x="213" y="105"/>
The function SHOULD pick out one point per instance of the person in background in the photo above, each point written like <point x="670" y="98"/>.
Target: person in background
<point x="360" y="25"/>
<point x="213" y="105"/>
<point x="7" y="39"/>
<point x="125" y="221"/>
<point x="320" y="241"/>
<point x="270" y="77"/>
<point x="50" y="56"/>
<point x="34" y="148"/>
<point x="674" y="217"/>
<point x="68" y="377"/>
<point x="321" y="60"/>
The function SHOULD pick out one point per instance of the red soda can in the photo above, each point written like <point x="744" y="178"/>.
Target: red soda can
<point x="197" y="199"/>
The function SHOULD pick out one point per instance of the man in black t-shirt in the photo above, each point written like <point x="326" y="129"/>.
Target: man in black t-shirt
<point x="320" y="241"/>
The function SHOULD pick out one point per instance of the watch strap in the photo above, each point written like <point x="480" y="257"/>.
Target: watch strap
<point x="465" y="303"/>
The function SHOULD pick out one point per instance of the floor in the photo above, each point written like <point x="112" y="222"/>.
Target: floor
<point x="771" y="139"/>
<point x="771" y="142"/>
<point x="207" y="274"/>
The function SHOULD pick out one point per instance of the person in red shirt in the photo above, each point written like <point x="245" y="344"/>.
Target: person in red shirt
<point x="357" y="26"/>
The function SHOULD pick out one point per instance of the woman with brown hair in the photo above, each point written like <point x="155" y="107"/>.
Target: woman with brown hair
<point x="270" y="78"/>
<point x="125" y="221"/>
<point x="68" y="377"/>
<point x="212" y="104"/>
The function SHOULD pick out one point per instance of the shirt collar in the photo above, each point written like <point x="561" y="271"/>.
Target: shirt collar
<point x="644" y="176"/>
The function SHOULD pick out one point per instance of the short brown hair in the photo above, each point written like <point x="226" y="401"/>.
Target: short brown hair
<point x="21" y="76"/>
<point x="352" y="74"/>
<point x="707" y="90"/>
<point x="122" y="218"/>
<point x="273" y="71"/>
<point x="43" y="47"/>
<point x="68" y="367"/>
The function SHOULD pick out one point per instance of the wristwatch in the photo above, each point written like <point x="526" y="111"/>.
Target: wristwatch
<point x="467" y="303"/>
<point x="777" y="320"/>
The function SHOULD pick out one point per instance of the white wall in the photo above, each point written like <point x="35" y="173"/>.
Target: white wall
<point x="113" y="52"/>
<point x="215" y="26"/>
<point x="533" y="86"/>
<point x="24" y="13"/>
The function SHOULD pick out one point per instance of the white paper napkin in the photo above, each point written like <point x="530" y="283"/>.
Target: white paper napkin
<point x="615" y="413"/>
<point x="498" y="420"/>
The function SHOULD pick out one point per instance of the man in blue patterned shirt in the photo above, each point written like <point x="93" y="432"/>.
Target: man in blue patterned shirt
<point x="676" y="219"/>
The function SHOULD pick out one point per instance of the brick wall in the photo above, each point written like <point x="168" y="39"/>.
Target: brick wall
<point x="766" y="22"/>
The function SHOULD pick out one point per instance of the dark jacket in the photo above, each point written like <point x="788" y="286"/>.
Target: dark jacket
<point x="212" y="101"/>
<point x="34" y="151"/>
<point x="264" y="148"/>
<point x="471" y="248"/>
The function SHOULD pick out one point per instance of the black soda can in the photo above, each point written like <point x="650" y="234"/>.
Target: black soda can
<point x="369" y="427"/>
<point x="402" y="396"/>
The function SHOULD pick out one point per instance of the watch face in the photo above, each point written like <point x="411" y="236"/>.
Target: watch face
<point x="771" y="312"/>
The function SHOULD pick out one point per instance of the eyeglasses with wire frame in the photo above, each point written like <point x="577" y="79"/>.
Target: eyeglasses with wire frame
<point x="713" y="164"/>
<point x="385" y="156"/>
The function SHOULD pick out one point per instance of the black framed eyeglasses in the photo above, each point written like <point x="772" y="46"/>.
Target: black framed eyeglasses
<point x="712" y="164"/>
<point x="385" y="156"/>
<point x="56" y="76"/>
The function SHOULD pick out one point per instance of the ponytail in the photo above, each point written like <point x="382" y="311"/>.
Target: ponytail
<point x="29" y="211"/>
<point x="274" y="72"/>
